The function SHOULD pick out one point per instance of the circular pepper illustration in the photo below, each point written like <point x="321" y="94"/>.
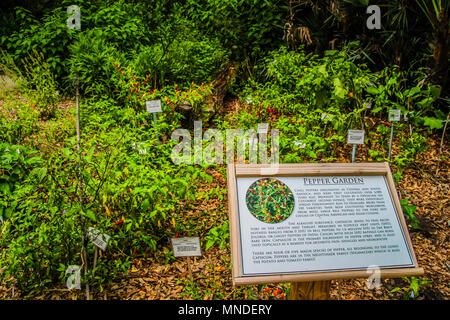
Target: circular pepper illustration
<point x="270" y="200"/>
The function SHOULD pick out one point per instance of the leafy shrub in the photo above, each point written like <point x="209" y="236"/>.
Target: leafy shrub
<point x="218" y="235"/>
<point x="294" y="81"/>
<point x="184" y="61"/>
<point x="91" y="61"/>
<point x="49" y="36"/>
<point x="17" y="121"/>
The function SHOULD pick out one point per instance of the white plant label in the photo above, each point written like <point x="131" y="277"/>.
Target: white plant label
<point x="186" y="247"/>
<point x="355" y="137"/>
<point x="73" y="282"/>
<point x="97" y="238"/>
<point x="1" y="219"/>
<point x="153" y="106"/>
<point x="263" y="128"/>
<point x="394" y="115"/>
<point x="368" y="105"/>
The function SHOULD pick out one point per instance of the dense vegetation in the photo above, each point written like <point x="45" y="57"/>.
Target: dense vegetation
<point x="309" y="68"/>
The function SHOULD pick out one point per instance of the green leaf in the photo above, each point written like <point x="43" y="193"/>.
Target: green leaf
<point x="145" y="205"/>
<point x="89" y="214"/>
<point x="5" y="188"/>
<point x="209" y="244"/>
<point x="372" y="90"/>
<point x="433" y="123"/>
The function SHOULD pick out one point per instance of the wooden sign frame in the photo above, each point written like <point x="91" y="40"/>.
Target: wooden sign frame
<point x="303" y="170"/>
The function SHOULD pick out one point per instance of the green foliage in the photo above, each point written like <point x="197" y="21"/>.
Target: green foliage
<point x="182" y="62"/>
<point x="408" y="211"/>
<point x="16" y="162"/>
<point x="41" y="84"/>
<point x="91" y="61"/>
<point x="17" y="128"/>
<point x="297" y="82"/>
<point x="49" y="36"/>
<point x="413" y="291"/>
<point x="393" y="92"/>
<point x="219" y="235"/>
<point x="261" y="31"/>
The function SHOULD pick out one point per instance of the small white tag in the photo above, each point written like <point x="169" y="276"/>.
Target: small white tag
<point x="186" y="247"/>
<point x="355" y="137"/>
<point x="368" y="105"/>
<point x="99" y="239"/>
<point x="300" y="144"/>
<point x="394" y="115"/>
<point x="1" y="219"/>
<point x="153" y="106"/>
<point x="263" y="128"/>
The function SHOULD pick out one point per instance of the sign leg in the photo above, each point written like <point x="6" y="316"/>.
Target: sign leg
<point x="189" y="267"/>
<point x="156" y="126"/>
<point x="313" y="290"/>
<point x="354" y="153"/>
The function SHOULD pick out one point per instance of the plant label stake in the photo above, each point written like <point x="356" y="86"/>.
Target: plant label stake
<point x="355" y="137"/>
<point x="1" y="220"/>
<point x="154" y="106"/>
<point x="80" y="182"/>
<point x="187" y="247"/>
<point x="99" y="239"/>
<point x="394" y="116"/>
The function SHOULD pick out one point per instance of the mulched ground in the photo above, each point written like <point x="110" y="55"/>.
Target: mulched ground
<point x="425" y="184"/>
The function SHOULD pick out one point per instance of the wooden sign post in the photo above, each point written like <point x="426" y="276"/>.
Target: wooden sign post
<point x="312" y="223"/>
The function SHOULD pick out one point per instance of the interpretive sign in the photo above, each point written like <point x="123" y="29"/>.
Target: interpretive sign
<point x="317" y="222"/>
<point x="186" y="247"/>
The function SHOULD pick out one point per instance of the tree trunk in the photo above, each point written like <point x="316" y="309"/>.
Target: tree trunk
<point x="440" y="51"/>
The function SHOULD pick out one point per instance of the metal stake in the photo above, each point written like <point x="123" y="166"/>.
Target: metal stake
<point x="354" y="153"/>
<point x="83" y="237"/>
